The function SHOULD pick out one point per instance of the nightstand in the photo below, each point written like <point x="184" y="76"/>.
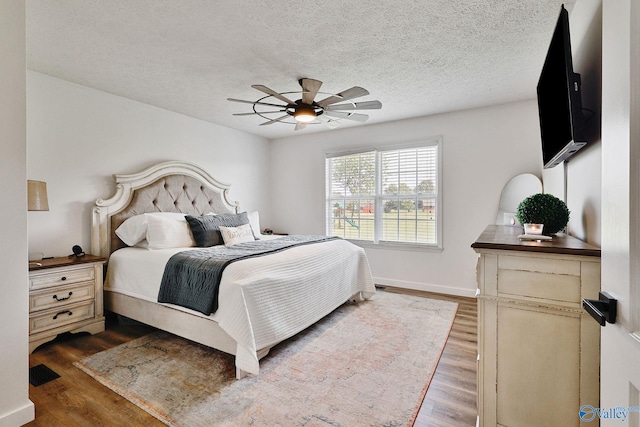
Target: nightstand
<point x="65" y="295"/>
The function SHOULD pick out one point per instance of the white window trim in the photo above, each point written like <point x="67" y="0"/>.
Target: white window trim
<point x="413" y="247"/>
<point x="381" y="244"/>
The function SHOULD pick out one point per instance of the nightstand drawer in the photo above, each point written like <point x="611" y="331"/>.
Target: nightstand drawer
<point x="60" y="296"/>
<point x="64" y="316"/>
<point x="61" y="277"/>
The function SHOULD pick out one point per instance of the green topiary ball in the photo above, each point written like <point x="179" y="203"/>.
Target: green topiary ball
<point x="544" y="209"/>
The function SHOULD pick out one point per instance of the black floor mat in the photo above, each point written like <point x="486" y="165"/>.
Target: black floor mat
<point x="41" y="374"/>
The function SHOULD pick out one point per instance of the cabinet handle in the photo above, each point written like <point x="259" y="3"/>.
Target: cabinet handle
<point x="63" y="298"/>
<point x="62" y="312"/>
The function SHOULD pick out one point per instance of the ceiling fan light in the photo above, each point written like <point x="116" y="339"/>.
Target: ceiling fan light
<point x="305" y="117"/>
<point x="304" y="114"/>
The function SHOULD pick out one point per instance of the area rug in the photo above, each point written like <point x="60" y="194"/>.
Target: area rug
<point x="366" y="364"/>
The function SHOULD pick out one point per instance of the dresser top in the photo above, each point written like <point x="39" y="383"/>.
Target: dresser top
<point x="505" y="237"/>
<point x="64" y="262"/>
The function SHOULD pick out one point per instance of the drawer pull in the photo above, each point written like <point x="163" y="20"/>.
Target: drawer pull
<point x="63" y="278"/>
<point x="62" y="312"/>
<point x="55" y="297"/>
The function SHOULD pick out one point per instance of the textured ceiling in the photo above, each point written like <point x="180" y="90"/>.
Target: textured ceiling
<point x="188" y="56"/>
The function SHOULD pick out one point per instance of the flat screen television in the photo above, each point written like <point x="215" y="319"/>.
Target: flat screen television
<point x="560" y="99"/>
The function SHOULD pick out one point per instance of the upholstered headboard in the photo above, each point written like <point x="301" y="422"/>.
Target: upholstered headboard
<point x="167" y="187"/>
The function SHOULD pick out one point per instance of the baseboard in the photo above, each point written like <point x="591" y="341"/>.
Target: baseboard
<point x="427" y="287"/>
<point x="19" y="416"/>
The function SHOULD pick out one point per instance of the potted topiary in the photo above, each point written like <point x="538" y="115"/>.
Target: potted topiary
<point x="544" y="209"/>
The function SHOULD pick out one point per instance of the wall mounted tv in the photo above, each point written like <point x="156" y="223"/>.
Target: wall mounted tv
<point x="560" y="99"/>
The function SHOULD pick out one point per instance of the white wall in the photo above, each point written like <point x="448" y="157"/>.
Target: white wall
<point x="482" y="150"/>
<point x="78" y="137"/>
<point x="15" y="407"/>
<point x="578" y="181"/>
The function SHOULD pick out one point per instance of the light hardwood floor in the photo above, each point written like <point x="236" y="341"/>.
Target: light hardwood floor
<point x="75" y="399"/>
<point x="452" y="395"/>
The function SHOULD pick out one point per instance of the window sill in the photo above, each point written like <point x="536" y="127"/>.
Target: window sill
<point x="412" y="247"/>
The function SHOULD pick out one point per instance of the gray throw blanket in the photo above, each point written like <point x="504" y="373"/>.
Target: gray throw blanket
<point x="191" y="278"/>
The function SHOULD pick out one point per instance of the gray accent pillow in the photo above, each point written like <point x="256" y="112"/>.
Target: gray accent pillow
<point x="206" y="228"/>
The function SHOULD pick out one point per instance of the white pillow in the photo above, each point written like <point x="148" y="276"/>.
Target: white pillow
<point x="234" y="235"/>
<point x="164" y="232"/>
<point x="134" y="230"/>
<point x="254" y="221"/>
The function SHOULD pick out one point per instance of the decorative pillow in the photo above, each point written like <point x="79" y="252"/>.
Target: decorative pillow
<point x="254" y="220"/>
<point x="134" y="230"/>
<point x="163" y="233"/>
<point x="234" y="235"/>
<point x="206" y="229"/>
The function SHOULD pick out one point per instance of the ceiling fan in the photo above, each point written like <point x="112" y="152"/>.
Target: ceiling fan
<point x="306" y="110"/>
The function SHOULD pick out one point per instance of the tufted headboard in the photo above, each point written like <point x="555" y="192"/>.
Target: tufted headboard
<point x="167" y="187"/>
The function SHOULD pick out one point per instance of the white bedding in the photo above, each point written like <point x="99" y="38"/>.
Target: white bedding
<point x="262" y="300"/>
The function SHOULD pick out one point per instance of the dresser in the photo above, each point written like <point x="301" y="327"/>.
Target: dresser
<point x="65" y="295"/>
<point x="539" y="352"/>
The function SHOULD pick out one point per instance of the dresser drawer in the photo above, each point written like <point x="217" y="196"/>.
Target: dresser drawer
<point x="542" y="279"/>
<point x="60" y="296"/>
<point x="60" y="277"/>
<point x="49" y="319"/>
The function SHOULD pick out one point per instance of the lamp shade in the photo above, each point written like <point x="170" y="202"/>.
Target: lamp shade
<point x="37" y="196"/>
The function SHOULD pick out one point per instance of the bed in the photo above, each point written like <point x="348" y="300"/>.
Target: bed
<point x="263" y="300"/>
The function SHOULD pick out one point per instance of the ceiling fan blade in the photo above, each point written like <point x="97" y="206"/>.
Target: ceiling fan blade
<point x="354" y="92"/>
<point x="261" y="112"/>
<point x="310" y="88"/>
<point x="275" y="120"/>
<point x="256" y="102"/>
<point x="331" y="124"/>
<point x="367" y="105"/>
<point x="349" y="116"/>
<point x="273" y="93"/>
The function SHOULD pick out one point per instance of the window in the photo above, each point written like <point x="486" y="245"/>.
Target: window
<point x="389" y="196"/>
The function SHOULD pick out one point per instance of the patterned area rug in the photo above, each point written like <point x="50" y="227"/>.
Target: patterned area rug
<point x="366" y="364"/>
